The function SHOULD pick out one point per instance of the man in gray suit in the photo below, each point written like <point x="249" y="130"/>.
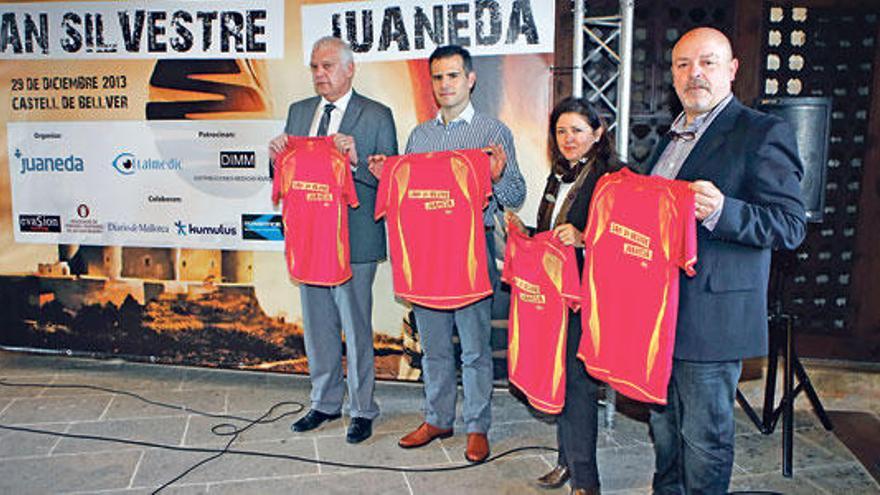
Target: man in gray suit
<point x="360" y="128"/>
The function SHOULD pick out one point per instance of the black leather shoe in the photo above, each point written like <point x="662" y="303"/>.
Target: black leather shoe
<point x="555" y="478"/>
<point x="312" y="420"/>
<point x="359" y="430"/>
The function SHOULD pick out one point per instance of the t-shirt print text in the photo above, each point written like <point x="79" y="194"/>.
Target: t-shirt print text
<point x="639" y="245"/>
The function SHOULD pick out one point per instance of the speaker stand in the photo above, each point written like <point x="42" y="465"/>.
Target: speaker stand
<point x="782" y="341"/>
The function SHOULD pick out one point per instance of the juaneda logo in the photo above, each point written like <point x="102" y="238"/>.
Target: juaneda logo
<point x="39" y="223"/>
<point x="238" y="159"/>
<point x="184" y="229"/>
<point x="127" y="164"/>
<point x="45" y="164"/>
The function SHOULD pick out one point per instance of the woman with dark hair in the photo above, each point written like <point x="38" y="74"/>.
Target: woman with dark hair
<point x="580" y="152"/>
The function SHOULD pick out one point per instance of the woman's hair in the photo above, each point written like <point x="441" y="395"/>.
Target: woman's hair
<point x="602" y="152"/>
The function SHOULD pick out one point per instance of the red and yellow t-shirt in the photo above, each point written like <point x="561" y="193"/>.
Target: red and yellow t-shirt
<point x="433" y="203"/>
<point x="314" y="181"/>
<point x="641" y="230"/>
<point x="544" y="284"/>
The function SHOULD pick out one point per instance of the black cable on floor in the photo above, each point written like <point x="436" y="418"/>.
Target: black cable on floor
<point x="231" y="430"/>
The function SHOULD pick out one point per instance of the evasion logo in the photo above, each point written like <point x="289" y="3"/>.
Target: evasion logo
<point x="184" y="229"/>
<point x="39" y="223"/>
<point x="128" y="163"/>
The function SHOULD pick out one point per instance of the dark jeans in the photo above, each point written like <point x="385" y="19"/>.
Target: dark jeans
<point x="693" y="433"/>
<point x="577" y="425"/>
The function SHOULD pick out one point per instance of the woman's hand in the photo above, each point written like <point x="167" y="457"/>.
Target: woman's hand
<point x="569" y="235"/>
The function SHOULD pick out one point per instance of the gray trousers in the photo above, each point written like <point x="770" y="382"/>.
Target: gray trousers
<point x="327" y="311"/>
<point x="438" y="364"/>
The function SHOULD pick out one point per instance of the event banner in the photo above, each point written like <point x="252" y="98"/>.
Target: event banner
<point x="409" y="29"/>
<point x="135" y="186"/>
<point x="163" y="28"/>
<point x="195" y="184"/>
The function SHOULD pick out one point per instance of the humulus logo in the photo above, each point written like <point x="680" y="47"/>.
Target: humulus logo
<point x="43" y="164"/>
<point x="184" y="229"/>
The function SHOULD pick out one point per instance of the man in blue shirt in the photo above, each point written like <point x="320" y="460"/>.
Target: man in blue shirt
<point x="459" y="126"/>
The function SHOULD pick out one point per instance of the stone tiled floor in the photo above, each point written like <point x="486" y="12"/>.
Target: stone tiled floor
<point x="37" y="463"/>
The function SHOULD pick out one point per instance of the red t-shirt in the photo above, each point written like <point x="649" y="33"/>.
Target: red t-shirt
<point x="434" y="207"/>
<point x="641" y="230"/>
<point x="544" y="283"/>
<point x="313" y="179"/>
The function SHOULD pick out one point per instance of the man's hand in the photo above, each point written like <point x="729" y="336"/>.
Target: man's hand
<point x="345" y="144"/>
<point x="497" y="161"/>
<point x="707" y="198"/>
<point x="377" y="163"/>
<point x="513" y="221"/>
<point x="569" y="235"/>
<point x="277" y="145"/>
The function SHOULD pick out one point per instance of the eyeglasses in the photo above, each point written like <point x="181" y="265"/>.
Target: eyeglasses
<point x="681" y="136"/>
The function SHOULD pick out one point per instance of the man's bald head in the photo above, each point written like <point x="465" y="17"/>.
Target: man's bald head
<point x="703" y="69"/>
<point x="707" y="35"/>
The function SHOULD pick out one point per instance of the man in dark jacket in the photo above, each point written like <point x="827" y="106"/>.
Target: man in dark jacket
<point x="745" y="172"/>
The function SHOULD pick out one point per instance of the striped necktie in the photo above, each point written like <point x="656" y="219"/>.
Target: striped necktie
<point x="324" y="124"/>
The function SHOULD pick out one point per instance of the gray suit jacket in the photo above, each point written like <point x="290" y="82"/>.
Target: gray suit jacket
<point x="372" y="126"/>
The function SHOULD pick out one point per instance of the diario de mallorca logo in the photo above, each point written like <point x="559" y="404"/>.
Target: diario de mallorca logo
<point x="127" y="163"/>
<point x="48" y="164"/>
<point x="185" y="228"/>
<point x="137" y="228"/>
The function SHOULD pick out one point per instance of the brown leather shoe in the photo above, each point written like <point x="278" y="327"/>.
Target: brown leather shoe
<point x="423" y="436"/>
<point x="555" y="478"/>
<point x="477" y="447"/>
